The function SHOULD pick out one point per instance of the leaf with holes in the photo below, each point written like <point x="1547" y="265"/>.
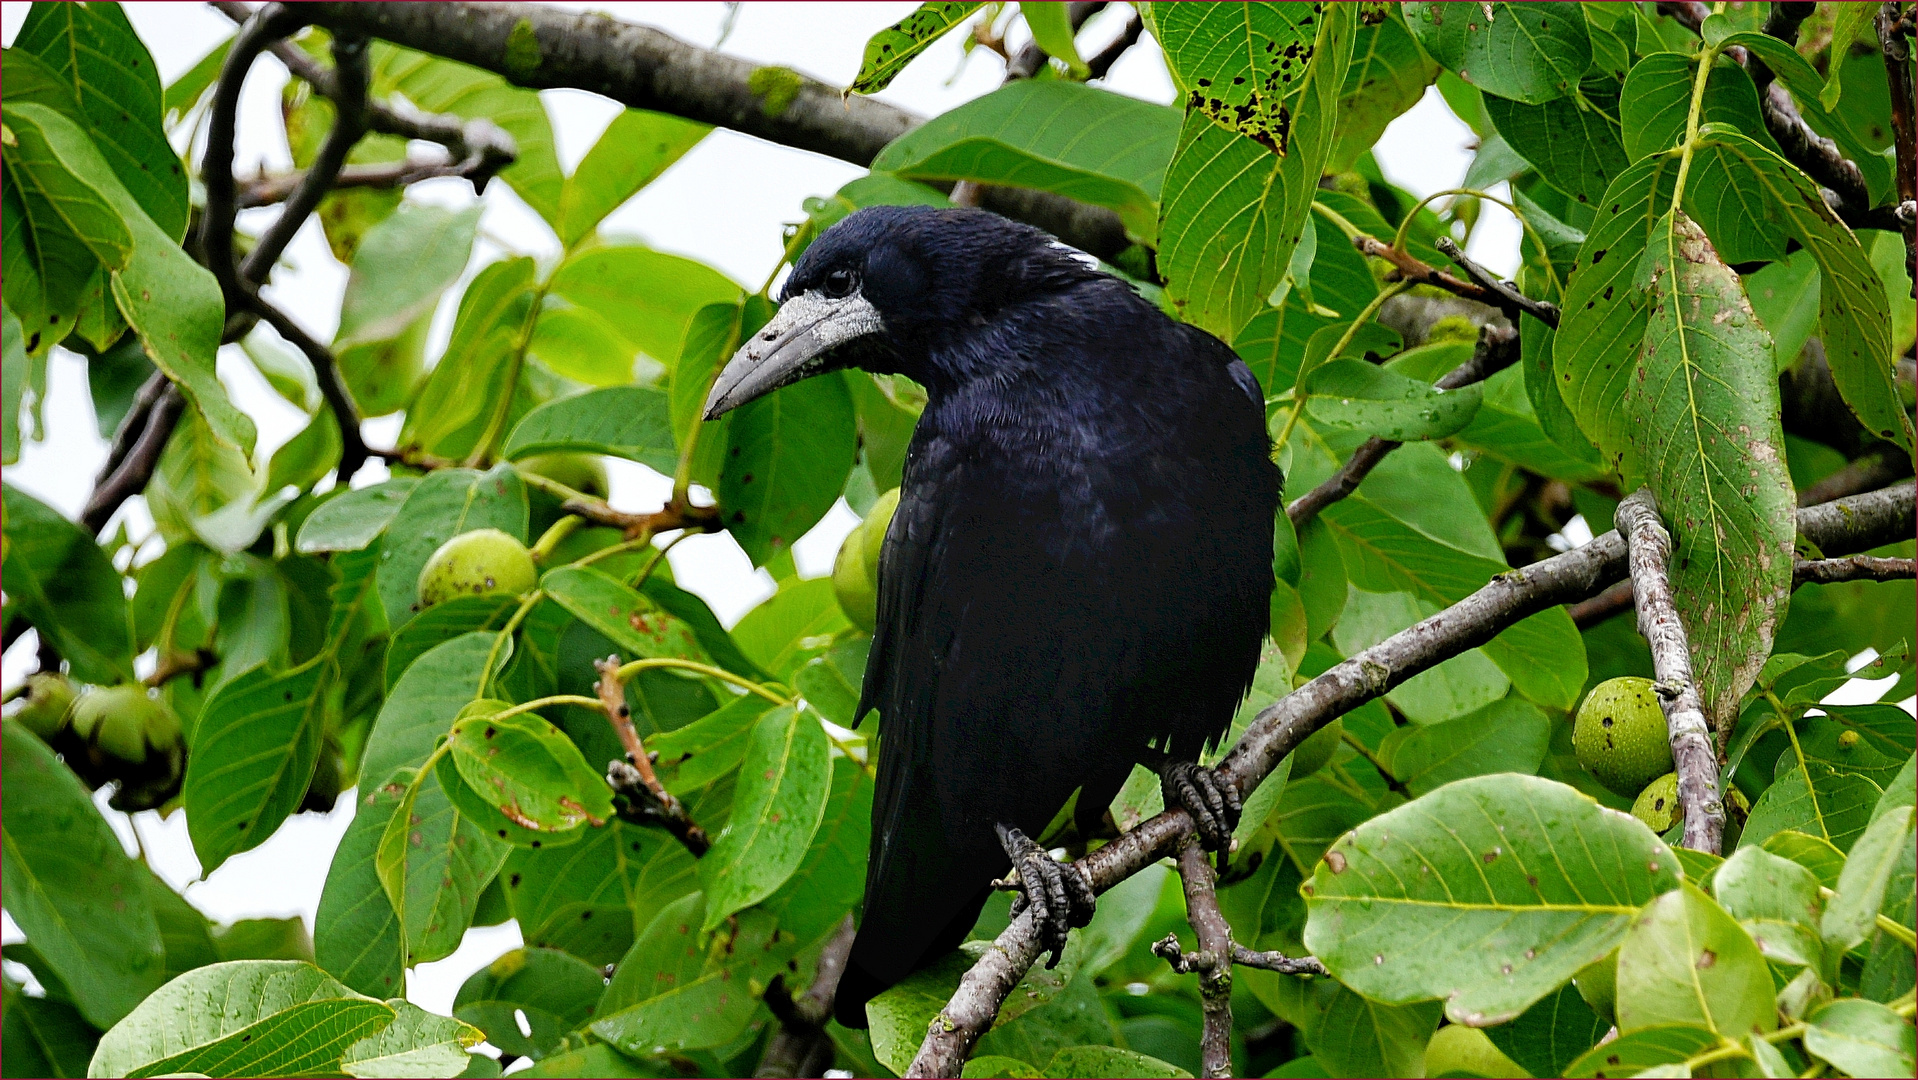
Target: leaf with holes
<point x="890" y="50"/>
<point x="631" y="621"/>
<point x="433" y="861"/>
<point x="1488" y="893"/>
<point x="356" y="932"/>
<point x="1573" y="142"/>
<point x="1685" y="960"/>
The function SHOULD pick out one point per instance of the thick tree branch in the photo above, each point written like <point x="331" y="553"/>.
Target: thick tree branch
<point x="641" y="798"/>
<point x="1497" y="350"/>
<point x="1850" y="568"/>
<point x="1650" y="549"/>
<point x="801" y="1046"/>
<point x="645" y="68"/>
<point x="1843" y="527"/>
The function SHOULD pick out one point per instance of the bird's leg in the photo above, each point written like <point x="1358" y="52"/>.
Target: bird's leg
<point x="1212" y="801"/>
<point x="1058" y="893"/>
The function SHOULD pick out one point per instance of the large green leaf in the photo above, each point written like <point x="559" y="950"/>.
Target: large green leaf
<point x="44" y="1036"/>
<point x="631" y="621"/>
<point x="796" y="624"/>
<point x="831" y="878"/>
<point x="585" y="898"/>
<point x="1551" y="1034"/>
<point x="1776" y="900"/>
<point x="684" y="988"/>
<point x="784" y="782"/>
<point x="634" y="149"/>
<point x="1862" y="1038"/>
<point x="458" y="405"/>
<point x="423" y="704"/>
<point x="443" y="505"/>
<point x="1573" y="141"/>
<point x="254" y="748"/>
<point x="172" y="302"/>
<point x="1073" y="140"/>
<point x="356" y="932"/>
<point x="1685" y="961"/>
<point x="1232" y="210"/>
<point x="1388" y="75"/>
<point x="530" y="770"/>
<point x="555" y="992"/>
<point x="1528" y="52"/>
<point x="93" y="49"/>
<point x="788" y="457"/>
<point x="70" y="217"/>
<point x="631" y="422"/>
<point x="400" y="269"/>
<point x="1868" y="872"/>
<point x="1851" y="128"/>
<point x="243" y="1018"/>
<point x="1488" y="893"/>
<point x="1644" y="1050"/>
<point x="433" y="861"/>
<point x="647" y="297"/>
<point x="891" y="49"/>
<point x="1355" y="1036"/>
<point x="353" y="519"/>
<point x="59" y="578"/>
<point x="712" y="746"/>
<point x="1346" y="393"/>
<point x="70" y="887"/>
<point x="1507" y="428"/>
<point x="416" y="1043"/>
<point x="1507" y="736"/>
<point x="442" y="623"/>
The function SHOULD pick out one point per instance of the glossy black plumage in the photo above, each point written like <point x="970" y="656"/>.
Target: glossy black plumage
<point x="1080" y="565"/>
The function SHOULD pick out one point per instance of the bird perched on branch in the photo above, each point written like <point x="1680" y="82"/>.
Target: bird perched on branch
<point x="1079" y="574"/>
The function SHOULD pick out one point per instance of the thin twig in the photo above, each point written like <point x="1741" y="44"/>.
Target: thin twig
<point x="350" y="75"/>
<point x="801" y="1046"/>
<point x="1851" y="568"/>
<point x="268" y="190"/>
<point x="326" y="372"/>
<point x="1275" y="960"/>
<point x="136" y="468"/>
<point x="1100" y="63"/>
<point x="1696" y="762"/>
<point x="1213" y="960"/>
<point x="1843" y="527"/>
<point x="644" y="800"/>
<point x="1868" y="473"/>
<point x="1026" y="63"/>
<point x="1615" y="600"/>
<point x="1896" y="46"/>
<point x="1409" y="267"/>
<point x="1497" y="349"/>
<point x="1509" y="299"/>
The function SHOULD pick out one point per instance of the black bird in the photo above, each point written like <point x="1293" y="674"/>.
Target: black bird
<point x="1079" y="574"/>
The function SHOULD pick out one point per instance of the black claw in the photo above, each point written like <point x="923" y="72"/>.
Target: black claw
<point x="1204" y="794"/>
<point x="1057" y="893"/>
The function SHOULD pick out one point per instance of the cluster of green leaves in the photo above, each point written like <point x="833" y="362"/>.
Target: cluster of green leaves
<point x="1451" y="817"/>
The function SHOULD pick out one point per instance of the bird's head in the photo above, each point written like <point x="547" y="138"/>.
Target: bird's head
<point x="883" y="289"/>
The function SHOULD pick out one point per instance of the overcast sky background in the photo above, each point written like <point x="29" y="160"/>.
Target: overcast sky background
<point x="723" y="203"/>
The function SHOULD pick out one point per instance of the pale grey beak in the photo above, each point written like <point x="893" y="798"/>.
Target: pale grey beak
<point x="791" y="347"/>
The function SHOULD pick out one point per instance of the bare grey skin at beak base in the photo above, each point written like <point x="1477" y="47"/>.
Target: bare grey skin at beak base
<point x="791" y="347"/>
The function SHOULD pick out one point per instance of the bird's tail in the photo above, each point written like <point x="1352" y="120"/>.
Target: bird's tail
<point x="884" y="953"/>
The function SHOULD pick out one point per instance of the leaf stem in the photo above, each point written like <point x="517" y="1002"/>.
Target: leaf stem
<point x="628" y="670"/>
<point x="550" y="539"/>
<point x="526" y="605"/>
<point x="557" y="699"/>
<point x="1692" y="115"/>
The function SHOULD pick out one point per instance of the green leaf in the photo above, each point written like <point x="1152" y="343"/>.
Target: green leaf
<point x="631" y="422"/>
<point x="45" y="1037"/>
<point x="172" y="302"/>
<point x="433" y="862"/>
<point x="1862" y="1038"/>
<point x="1354" y="1036"/>
<point x="1776" y="900"/>
<point x="647" y="297"/>
<point x="584" y="898"/>
<point x="416" y="1043"/>
<point x="1573" y="141"/>
<point x="1507" y="736"/>
<point x="356" y="933"/>
<point x="1507" y="429"/>
<point x="890" y="50"/>
<point x="1551" y="1034"/>
<point x="554" y="991"/>
<point x="711" y="338"/>
<point x="1488" y="893"/>
<point x="1090" y="145"/>
<point x="708" y="748"/>
<point x="1859" y="139"/>
<point x="351" y="520"/>
<point x="784" y="782"/>
<point x="788" y="457"/>
<point x="1388" y="76"/>
<point x="900" y="1015"/>
<point x="1686" y="961"/>
<point x="402" y="266"/>
<point x="1443" y="693"/>
<point x="831" y="878"/>
<point x="1231" y="210"/>
<point x="1657" y="102"/>
<point x="306" y="458"/>
<point x="242" y="1018"/>
<point x="1094" y="1061"/>
<point x="423" y="704"/>
<point x="205" y="490"/>
<point x="1525" y="52"/>
<point x="1052" y="31"/>
<point x="797" y="623"/>
<point x="95" y="51"/>
<point x="998" y="1065"/>
<point x="71" y="888"/>
<point x="1814" y="853"/>
<point x="184" y="93"/>
<point x="59" y="195"/>
<point x="594" y="1062"/>
<point x="683" y="988"/>
<point x="1354" y="394"/>
<point x="634" y="149"/>
<point x="490" y="819"/>
<point x="441" y="623"/>
<point x="1868" y="871"/>
<point x="444" y="504"/>
<point x="13" y="381"/>
<point x="831" y="683"/>
<point x="456" y="407"/>
<point x="254" y="748"/>
<point x="530" y="770"/>
<point x="1646" y="1048"/>
<point x="1813" y="798"/>
<point x="59" y="578"/>
<point x="630" y="620"/>
<point x="1854" y="319"/>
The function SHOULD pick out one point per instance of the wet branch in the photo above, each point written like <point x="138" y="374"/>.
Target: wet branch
<point x="641" y="798"/>
<point x="1213" y="960"/>
<point x="1696" y="761"/>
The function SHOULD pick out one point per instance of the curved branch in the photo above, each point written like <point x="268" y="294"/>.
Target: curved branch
<point x="1848" y="525"/>
<point x="1508" y="298"/>
<point x="130" y="475"/>
<point x="350" y="75"/>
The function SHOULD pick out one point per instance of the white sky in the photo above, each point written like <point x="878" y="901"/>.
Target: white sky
<point x="723" y="203"/>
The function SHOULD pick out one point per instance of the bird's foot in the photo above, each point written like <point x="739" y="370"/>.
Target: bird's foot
<point x="1208" y="797"/>
<point x="1058" y="893"/>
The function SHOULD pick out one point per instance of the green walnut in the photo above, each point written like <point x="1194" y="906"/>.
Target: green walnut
<point x="1619" y="735"/>
<point x="1456" y="1048"/>
<point x="48" y="698"/>
<point x="584" y="473"/>
<point x="1597" y="983"/>
<point x="123" y="722"/>
<point x="1657" y="805"/>
<point x="474" y="564"/>
<point x="855" y="573"/>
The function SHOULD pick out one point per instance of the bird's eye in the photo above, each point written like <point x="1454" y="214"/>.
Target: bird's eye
<point x="839" y="284"/>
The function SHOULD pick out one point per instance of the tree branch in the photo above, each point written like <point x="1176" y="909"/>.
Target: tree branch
<point x="645" y="68"/>
<point x="1896" y="46"/>
<point x="1507" y="298"/>
<point x="1277" y="961"/>
<point x="1497" y="350"/>
<point x="801" y="1046"/>
<point x="1650" y="549"/>
<point x="1414" y="269"/>
<point x="136" y="466"/>
<point x="1848" y="525"/>
<point x="1213" y="960"/>
<point x="268" y="190"/>
<point x="350" y="76"/>
<point x="1851" y="568"/>
<point x="643" y="799"/>
<point x="1101" y="62"/>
